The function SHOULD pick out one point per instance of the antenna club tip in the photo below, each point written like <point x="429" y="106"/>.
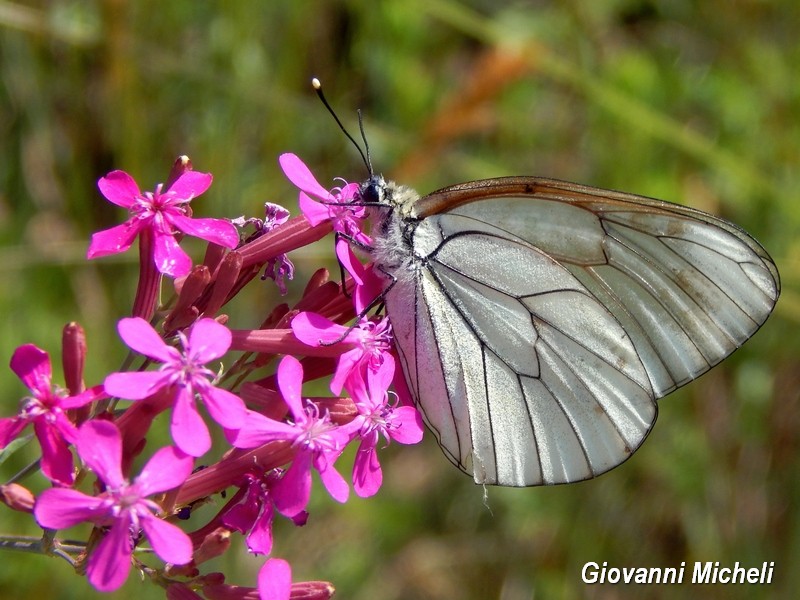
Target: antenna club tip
<point x="316" y="83"/>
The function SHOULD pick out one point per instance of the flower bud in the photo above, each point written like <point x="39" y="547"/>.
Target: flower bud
<point x="224" y="281"/>
<point x="179" y="167"/>
<point x="192" y="286"/>
<point x="73" y="353"/>
<point x="17" y="497"/>
<point x="312" y="590"/>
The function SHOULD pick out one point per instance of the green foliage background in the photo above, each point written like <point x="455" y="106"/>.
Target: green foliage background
<point x="695" y="102"/>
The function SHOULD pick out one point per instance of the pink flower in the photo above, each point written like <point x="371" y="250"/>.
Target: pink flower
<point x="252" y="513"/>
<point x="372" y="339"/>
<point x="340" y="207"/>
<point x="336" y="204"/>
<point x="122" y="506"/>
<point x="275" y="580"/>
<point x="184" y="372"/>
<point x="163" y="213"/>
<point x="377" y="418"/>
<point x="278" y="268"/>
<point x="45" y="409"/>
<point x="316" y="440"/>
<point x="274" y="216"/>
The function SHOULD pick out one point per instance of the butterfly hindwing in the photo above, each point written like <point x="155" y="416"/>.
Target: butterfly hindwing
<point x="518" y="389"/>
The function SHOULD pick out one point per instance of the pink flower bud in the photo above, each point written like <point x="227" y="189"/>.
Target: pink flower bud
<point x="17" y="497"/>
<point x="73" y="357"/>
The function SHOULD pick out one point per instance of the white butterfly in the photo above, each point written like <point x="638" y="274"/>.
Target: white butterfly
<point x="538" y="321"/>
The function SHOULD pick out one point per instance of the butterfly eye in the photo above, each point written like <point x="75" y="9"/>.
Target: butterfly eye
<point x="373" y="191"/>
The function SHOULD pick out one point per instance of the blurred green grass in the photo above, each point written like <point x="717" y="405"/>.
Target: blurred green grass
<point x="694" y="102"/>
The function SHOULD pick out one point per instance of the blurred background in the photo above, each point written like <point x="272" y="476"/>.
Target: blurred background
<point x="693" y="102"/>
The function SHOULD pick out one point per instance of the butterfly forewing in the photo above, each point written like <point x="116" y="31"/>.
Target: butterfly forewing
<point x="688" y="287"/>
<point x="542" y="320"/>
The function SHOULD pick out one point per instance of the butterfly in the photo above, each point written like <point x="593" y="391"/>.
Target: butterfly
<point x="538" y="321"/>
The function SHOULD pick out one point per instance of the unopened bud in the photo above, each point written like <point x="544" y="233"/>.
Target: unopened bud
<point x="17" y="497"/>
<point x="179" y="167"/>
<point x="224" y="281"/>
<point x="185" y="313"/>
<point x="312" y="590"/>
<point x="215" y="544"/>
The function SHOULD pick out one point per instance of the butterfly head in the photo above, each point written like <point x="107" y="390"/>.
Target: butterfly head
<point x="373" y="191"/>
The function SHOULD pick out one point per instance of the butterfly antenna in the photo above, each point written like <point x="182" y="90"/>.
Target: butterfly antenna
<point x="317" y="85"/>
<point x="366" y="143"/>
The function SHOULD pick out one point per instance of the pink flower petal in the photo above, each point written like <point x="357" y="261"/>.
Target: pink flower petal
<point x="61" y="508"/>
<point x="257" y="430"/>
<point x="334" y="482"/>
<point x="100" y="446"/>
<point x="357" y="388"/>
<point x="64" y="428"/>
<point x="371" y="288"/>
<point x="140" y="336"/>
<point x="225" y="407"/>
<point x="187" y="428"/>
<point x="135" y="386"/>
<point x="367" y="474"/>
<point x="298" y="173"/>
<point x="290" y="382"/>
<point x="369" y="285"/>
<point x="315" y="330"/>
<point x="260" y="539"/>
<point x="84" y="398"/>
<point x="346" y="367"/>
<point x="190" y="184"/>
<point x="217" y="231"/>
<point x="57" y="462"/>
<point x="241" y="516"/>
<point x="380" y="381"/>
<point x="10" y="428"/>
<point x="208" y="340"/>
<point x="167" y="469"/>
<point x="408" y="428"/>
<point x="292" y="491"/>
<point x="275" y="580"/>
<point x="110" y="562"/>
<point x="366" y="296"/>
<point x="169" y="542"/>
<point x="115" y="239"/>
<point x="119" y="188"/>
<point x="344" y="252"/>
<point x="315" y="212"/>
<point x="32" y="366"/>
<point x="169" y="258"/>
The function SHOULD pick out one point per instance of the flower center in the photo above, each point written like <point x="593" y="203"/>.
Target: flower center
<point x="32" y="408"/>
<point x="315" y="435"/>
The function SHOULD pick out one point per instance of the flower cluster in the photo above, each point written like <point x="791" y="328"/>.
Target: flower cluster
<point x="185" y="360"/>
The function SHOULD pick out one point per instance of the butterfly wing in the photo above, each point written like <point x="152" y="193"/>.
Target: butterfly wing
<point x="688" y="287"/>
<point x="552" y="315"/>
